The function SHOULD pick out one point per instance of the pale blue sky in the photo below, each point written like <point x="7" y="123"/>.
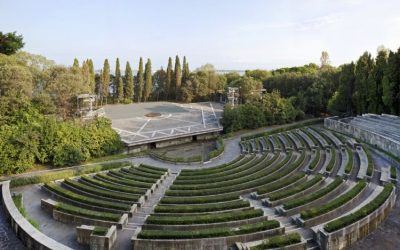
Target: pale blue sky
<point x="231" y="34"/>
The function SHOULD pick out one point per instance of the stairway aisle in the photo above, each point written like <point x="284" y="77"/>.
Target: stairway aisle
<point x="139" y="217"/>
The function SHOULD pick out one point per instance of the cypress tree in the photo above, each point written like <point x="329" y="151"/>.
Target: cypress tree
<point x="139" y="82"/>
<point x="92" y="81"/>
<point x="185" y="70"/>
<point x="86" y="76"/>
<point x="128" y="83"/>
<point x="116" y="77"/>
<point x="168" y="82"/>
<point x="120" y="90"/>
<point x="363" y="69"/>
<point x="105" y="80"/>
<point x="148" y="84"/>
<point x="75" y="66"/>
<point x="390" y="83"/>
<point x="177" y="77"/>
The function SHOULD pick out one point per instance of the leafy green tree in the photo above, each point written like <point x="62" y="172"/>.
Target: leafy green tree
<point x="129" y="87"/>
<point x="159" y="81"/>
<point x="185" y="70"/>
<point x="168" y="82"/>
<point x="177" y="77"/>
<point x="10" y="43"/>
<point x="258" y="74"/>
<point x="249" y="88"/>
<point x="105" y="81"/>
<point x="16" y="85"/>
<point x="364" y="67"/>
<point x="139" y="82"/>
<point x="148" y="84"/>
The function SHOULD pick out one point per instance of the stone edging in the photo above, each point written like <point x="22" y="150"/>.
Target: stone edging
<point x="30" y="236"/>
<point x="346" y="236"/>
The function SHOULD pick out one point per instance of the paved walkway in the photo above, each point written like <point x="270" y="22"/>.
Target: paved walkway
<point x="137" y="220"/>
<point x="8" y="240"/>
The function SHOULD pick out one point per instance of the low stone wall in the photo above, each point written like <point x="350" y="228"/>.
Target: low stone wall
<point x="347" y="236"/>
<point x="97" y="242"/>
<point x="370" y="137"/>
<point x="48" y="205"/>
<point x="220" y="243"/>
<point x="30" y="236"/>
<point x="332" y="214"/>
<point x="298" y="246"/>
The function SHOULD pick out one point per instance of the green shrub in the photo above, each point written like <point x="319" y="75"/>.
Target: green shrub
<point x="279" y="241"/>
<point x="119" y="174"/>
<point x="208" y="233"/>
<point x="349" y="165"/>
<point x="313" y="196"/>
<point x="314" y="163"/>
<point x="185" y="172"/>
<point x="295" y="189"/>
<point x="220" y="149"/>
<point x="203" y="219"/>
<point x="393" y="172"/>
<point x="155" y="169"/>
<point x="100" y="231"/>
<point x="62" y="174"/>
<point x="268" y="177"/>
<point x="227" y="180"/>
<point x="18" y="203"/>
<point x="330" y="206"/>
<point x="278" y="130"/>
<point x="280" y="184"/>
<point x="200" y="200"/>
<point x="112" y="186"/>
<point x="137" y="172"/>
<point x="370" y="168"/>
<point x="69" y="209"/>
<point x="216" y="173"/>
<point x="123" y="181"/>
<point x="362" y="212"/>
<point x="101" y="192"/>
<point x="332" y="161"/>
<point x="202" y="208"/>
<point x="88" y="200"/>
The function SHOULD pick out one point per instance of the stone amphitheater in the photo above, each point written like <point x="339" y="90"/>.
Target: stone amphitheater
<point x="310" y="187"/>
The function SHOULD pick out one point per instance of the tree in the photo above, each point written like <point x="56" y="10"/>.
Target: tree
<point x="148" y="84"/>
<point x="341" y="101"/>
<point x="159" y="81"/>
<point x="139" y="82"/>
<point x="363" y="69"/>
<point x="86" y="75"/>
<point x="390" y="82"/>
<point x="325" y="59"/>
<point x="129" y="87"/>
<point x="92" y="82"/>
<point x="16" y="85"/>
<point x="117" y="77"/>
<point x="249" y="88"/>
<point x="185" y="70"/>
<point x="10" y="43"/>
<point x="120" y="90"/>
<point x="177" y="77"/>
<point x="168" y="82"/>
<point x="75" y="65"/>
<point x="105" y="80"/>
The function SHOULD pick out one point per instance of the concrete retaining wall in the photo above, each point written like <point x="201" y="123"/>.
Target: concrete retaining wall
<point x="97" y="242"/>
<point x="347" y="236"/>
<point x="370" y="137"/>
<point x="220" y="243"/>
<point x="30" y="236"/>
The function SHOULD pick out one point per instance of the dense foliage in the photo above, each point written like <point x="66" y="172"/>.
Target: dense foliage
<point x="279" y="241"/>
